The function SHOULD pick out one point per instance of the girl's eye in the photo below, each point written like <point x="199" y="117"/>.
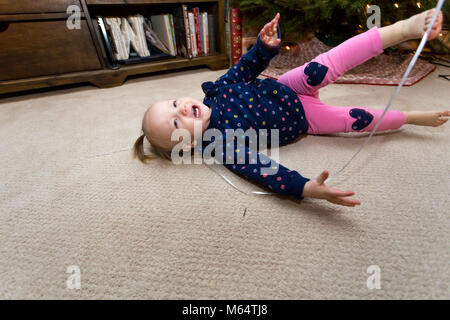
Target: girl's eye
<point x="175" y="103"/>
<point x="175" y="123"/>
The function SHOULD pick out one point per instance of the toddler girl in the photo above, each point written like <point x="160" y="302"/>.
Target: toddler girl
<point x="291" y="105"/>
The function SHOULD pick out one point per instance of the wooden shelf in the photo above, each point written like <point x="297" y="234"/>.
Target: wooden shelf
<point x="106" y="78"/>
<point x="36" y="16"/>
<point x="174" y="63"/>
<point x="101" y="76"/>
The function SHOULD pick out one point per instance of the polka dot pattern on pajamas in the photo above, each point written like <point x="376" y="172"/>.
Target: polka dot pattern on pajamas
<point x="239" y="100"/>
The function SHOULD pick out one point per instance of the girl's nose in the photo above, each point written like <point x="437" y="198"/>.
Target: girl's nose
<point x="182" y="110"/>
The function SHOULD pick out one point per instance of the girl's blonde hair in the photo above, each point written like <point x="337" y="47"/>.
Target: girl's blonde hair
<point x="156" y="152"/>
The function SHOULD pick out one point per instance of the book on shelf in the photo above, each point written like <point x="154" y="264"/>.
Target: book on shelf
<point x="153" y="38"/>
<point x="194" y="37"/>
<point x="212" y="32"/>
<point x="204" y="19"/>
<point x="172" y="32"/>
<point x="182" y="31"/>
<point x="127" y="32"/>
<point x="197" y="31"/>
<point x="200" y="25"/>
<point x="192" y="31"/>
<point x="163" y="28"/>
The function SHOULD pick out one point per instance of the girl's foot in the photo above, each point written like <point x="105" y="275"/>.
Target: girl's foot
<point x="412" y="28"/>
<point x="416" y="26"/>
<point x="427" y="118"/>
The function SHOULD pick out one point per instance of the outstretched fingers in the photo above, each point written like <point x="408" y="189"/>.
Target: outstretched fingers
<point x="345" y="202"/>
<point x="341" y="197"/>
<point x="275" y="23"/>
<point x="269" y="33"/>
<point x="275" y="20"/>
<point x="440" y="122"/>
<point x="443" y="118"/>
<point x="340" y="193"/>
<point x="271" y="27"/>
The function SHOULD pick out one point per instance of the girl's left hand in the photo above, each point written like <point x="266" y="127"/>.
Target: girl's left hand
<point x="269" y="34"/>
<point x="318" y="189"/>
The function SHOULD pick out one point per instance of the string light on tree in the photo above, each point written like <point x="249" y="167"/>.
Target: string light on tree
<point x="419" y="4"/>
<point x="396" y="5"/>
<point x="289" y="47"/>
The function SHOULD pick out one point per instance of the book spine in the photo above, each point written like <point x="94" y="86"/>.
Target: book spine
<point x="197" y="31"/>
<point x="180" y="37"/>
<point x="166" y="30"/>
<point x="212" y="32"/>
<point x="187" y="30"/>
<point x="172" y="32"/>
<point x="154" y="39"/>
<point x="177" y="30"/>
<point x="168" y="33"/>
<point x="205" y="32"/>
<point x="193" y="38"/>
<point x="236" y="35"/>
<point x="200" y="25"/>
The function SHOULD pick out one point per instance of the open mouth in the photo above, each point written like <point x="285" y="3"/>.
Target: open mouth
<point x="196" y="111"/>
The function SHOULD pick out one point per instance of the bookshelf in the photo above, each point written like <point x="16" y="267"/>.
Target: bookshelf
<point x="58" y="56"/>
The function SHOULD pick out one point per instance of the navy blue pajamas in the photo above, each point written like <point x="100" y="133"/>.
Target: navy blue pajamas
<point x="238" y="100"/>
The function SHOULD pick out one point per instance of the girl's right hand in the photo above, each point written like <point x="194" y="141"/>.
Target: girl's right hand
<point x="318" y="189"/>
<point x="269" y="33"/>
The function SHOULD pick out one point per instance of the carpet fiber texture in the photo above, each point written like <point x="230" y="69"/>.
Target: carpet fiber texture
<point x="161" y="231"/>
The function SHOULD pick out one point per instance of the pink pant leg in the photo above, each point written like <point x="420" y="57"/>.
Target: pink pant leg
<point x="329" y="66"/>
<point x="326" y="119"/>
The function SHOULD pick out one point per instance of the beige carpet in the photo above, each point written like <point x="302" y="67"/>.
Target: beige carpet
<point x="179" y="232"/>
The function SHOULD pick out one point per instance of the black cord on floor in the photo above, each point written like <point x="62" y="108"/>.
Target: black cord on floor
<point x="431" y="58"/>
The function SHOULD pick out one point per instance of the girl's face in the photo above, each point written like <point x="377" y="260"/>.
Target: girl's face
<point x="164" y="117"/>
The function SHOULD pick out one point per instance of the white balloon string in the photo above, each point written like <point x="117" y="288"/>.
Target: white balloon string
<point x="237" y="188"/>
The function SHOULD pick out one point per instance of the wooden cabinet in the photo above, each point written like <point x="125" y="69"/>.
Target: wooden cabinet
<point x="37" y="49"/>
<point x="35" y="6"/>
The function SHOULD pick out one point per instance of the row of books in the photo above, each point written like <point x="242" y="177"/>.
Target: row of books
<point x="184" y="32"/>
<point x="193" y="32"/>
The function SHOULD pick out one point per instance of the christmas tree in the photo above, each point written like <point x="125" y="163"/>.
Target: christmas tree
<point x="338" y="19"/>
